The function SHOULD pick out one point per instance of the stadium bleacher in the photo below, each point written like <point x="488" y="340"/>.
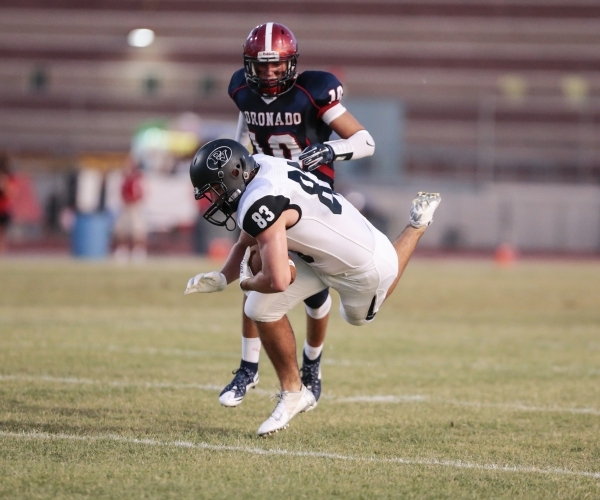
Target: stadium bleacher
<point x="500" y="90"/>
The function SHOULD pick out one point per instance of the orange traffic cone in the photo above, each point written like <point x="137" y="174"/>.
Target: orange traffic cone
<point x="505" y="255"/>
<point x="218" y="248"/>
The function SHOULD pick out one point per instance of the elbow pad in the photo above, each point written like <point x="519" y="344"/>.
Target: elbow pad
<point x="358" y="145"/>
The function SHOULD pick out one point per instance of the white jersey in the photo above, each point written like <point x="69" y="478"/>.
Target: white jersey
<point x="331" y="235"/>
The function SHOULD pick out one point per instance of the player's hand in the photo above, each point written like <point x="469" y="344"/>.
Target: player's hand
<point x="206" y="283"/>
<point x="315" y="155"/>
<point x="245" y="271"/>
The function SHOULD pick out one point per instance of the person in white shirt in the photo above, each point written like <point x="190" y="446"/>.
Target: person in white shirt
<point x="299" y="224"/>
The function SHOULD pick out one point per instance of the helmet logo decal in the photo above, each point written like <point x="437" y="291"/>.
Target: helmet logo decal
<point x="218" y="158"/>
<point x="268" y="56"/>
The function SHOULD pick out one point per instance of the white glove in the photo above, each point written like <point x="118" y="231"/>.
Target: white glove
<point x="245" y="271"/>
<point x="206" y="283"/>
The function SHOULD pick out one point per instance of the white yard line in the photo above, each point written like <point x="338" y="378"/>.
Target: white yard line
<point x="522" y="407"/>
<point x="119" y="383"/>
<point x="110" y="383"/>
<point x="377" y="399"/>
<point x="314" y="454"/>
<point x="416" y="398"/>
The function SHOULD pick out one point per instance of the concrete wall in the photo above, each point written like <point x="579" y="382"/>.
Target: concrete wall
<point x="530" y="217"/>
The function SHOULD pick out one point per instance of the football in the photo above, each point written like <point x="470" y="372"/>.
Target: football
<point x="255" y="264"/>
<point x="292" y="270"/>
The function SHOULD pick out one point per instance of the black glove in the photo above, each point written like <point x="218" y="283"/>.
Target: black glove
<point x="315" y="155"/>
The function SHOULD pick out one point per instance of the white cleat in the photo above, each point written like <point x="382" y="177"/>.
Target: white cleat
<point x="288" y="406"/>
<point x="422" y="209"/>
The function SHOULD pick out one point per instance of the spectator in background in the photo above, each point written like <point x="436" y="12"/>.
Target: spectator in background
<point x="130" y="232"/>
<point x="7" y="188"/>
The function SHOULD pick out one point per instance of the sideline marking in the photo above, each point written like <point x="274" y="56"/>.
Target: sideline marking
<point x="379" y="399"/>
<point x="316" y="454"/>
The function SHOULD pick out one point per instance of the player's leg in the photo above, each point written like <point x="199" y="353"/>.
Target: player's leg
<point x="246" y="376"/>
<point x="265" y="307"/>
<point x="405" y="246"/>
<point x="360" y="303"/>
<point x="421" y="216"/>
<point x="269" y="313"/>
<point x="317" y="317"/>
<point x="278" y="340"/>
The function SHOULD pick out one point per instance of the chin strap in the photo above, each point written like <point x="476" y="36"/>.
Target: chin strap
<point x="232" y="228"/>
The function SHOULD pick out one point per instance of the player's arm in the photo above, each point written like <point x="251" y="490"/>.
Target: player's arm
<point x="275" y="275"/>
<point x="355" y="143"/>
<point x="231" y="268"/>
<point x="242" y="134"/>
<point x="216" y="281"/>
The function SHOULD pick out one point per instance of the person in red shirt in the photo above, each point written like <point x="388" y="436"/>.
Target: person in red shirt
<point x="7" y="188"/>
<point x="130" y="230"/>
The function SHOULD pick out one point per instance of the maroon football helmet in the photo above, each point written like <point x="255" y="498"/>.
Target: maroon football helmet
<point x="270" y="43"/>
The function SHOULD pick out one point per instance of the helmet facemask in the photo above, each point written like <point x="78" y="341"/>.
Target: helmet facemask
<point x="270" y="87"/>
<point x="223" y="204"/>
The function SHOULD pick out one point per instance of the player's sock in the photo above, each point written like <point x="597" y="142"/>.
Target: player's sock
<point x="312" y="353"/>
<point x="251" y="350"/>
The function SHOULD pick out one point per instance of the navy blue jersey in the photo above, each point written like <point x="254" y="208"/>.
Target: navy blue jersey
<point x="285" y="126"/>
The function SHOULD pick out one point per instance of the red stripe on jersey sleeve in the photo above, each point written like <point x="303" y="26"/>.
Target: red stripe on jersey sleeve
<point x="324" y="109"/>
<point x="239" y="88"/>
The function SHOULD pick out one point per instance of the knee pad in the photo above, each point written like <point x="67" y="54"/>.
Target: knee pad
<point x="319" y="312"/>
<point x="318" y="299"/>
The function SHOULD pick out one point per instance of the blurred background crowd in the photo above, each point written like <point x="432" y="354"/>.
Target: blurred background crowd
<point x="494" y="103"/>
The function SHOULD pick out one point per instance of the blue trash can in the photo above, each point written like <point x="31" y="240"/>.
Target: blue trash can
<point x="91" y="235"/>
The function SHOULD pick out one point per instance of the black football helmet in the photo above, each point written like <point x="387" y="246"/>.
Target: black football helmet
<point x="219" y="172"/>
<point x="271" y="43"/>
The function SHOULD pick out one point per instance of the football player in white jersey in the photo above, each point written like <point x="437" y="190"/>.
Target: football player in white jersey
<point x="297" y="222"/>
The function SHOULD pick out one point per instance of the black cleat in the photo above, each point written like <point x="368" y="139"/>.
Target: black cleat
<point x="234" y="393"/>
<point x="311" y="375"/>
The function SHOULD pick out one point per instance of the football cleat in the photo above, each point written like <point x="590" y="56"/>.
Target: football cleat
<point x="234" y="393"/>
<point x="422" y="209"/>
<point x="288" y="406"/>
<point x="310" y="374"/>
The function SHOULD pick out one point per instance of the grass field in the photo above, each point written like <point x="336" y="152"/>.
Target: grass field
<point x="473" y="382"/>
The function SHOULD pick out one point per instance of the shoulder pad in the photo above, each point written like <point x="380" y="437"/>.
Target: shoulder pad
<point x="323" y="87"/>
<point x="237" y="81"/>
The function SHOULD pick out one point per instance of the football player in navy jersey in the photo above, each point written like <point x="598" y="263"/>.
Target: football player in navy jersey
<point x="289" y="115"/>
